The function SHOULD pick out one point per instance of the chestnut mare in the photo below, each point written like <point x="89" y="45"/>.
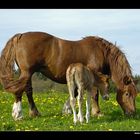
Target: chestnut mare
<point x="45" y="53"/>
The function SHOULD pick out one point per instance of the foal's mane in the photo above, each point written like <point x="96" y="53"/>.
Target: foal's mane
<point x="115" y="56"/>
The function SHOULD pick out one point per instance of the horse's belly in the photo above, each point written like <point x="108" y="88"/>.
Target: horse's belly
<point x="55" y="75"/>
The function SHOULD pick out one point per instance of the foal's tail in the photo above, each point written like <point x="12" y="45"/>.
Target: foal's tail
<point x="7" y="61"/>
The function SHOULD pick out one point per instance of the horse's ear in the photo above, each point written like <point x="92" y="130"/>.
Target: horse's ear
<point x="127" y="80"/>
<point x="136" y="81"/>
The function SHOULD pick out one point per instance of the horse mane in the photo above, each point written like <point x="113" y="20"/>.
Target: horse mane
<point x="116" y="58"/>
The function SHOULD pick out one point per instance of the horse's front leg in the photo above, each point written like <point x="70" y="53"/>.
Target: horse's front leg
<point x="17" y="107"/>
<point x="67" y="107"/>
<point x="95" y="102"/>
<point x="33" y="112"/>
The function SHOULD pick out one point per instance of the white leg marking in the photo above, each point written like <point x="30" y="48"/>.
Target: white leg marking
<point x="88" y="107"/>
<point x="17" y="111"/>
<point x="80" y="99"/>
<point x="73" y="103"/>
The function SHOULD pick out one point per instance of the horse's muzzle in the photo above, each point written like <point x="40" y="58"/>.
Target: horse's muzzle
<point x="131" y="113"/>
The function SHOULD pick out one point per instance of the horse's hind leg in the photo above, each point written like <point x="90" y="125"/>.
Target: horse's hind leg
<point x="17" y="108"/>
<point x="67" y="107"/>
<point x="17" y="87"/>
<point x="33" y="112"/>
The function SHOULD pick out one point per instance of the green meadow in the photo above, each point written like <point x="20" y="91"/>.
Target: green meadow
<point x="50" y="106"/>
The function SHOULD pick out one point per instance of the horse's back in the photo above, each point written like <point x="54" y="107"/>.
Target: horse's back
<point x="51" y="55"/>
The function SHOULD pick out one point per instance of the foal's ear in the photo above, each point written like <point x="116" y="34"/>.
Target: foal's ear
<point x="103" y="76"/>
<point x="127" y="80"/>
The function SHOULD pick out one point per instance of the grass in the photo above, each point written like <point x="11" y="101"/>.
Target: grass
<point x="50" y="105"/>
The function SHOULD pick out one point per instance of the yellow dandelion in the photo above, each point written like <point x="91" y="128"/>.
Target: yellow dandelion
<point x="110" y="129"/>
<point x="71" y="127"/>
<point x="27" y="130"/>
<point x="44" y="100"/>
<point x="3" y="123"/>
<point x="114" y="103"/>
<point x="16" y="125"/>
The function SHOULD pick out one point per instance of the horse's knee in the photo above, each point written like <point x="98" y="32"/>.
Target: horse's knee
<point x="73" y="101"/>
<point x="80" y="98"/>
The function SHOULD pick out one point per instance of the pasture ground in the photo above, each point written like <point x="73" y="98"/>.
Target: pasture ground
<point x="50" y="106"/>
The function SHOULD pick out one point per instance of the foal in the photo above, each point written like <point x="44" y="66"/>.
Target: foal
<point x="80" y="77"/>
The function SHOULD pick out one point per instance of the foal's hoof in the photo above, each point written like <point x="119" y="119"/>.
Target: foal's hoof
<point x="66" y="111"/>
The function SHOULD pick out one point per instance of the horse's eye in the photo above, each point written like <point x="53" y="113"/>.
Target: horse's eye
<point x="127" y="94"/>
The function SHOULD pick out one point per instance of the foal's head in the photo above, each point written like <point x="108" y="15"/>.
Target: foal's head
<point x="102" y="82"/>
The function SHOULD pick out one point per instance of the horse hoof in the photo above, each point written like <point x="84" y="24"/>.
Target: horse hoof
<point x="34" y="113"/>
<point x="97" y="114"/>
<point x="67" y="111"/>
<point x="19" y="118"/>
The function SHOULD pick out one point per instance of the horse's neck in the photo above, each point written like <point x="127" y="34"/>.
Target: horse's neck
<point x="117" y="81"/>
<point x="119" y="66"/>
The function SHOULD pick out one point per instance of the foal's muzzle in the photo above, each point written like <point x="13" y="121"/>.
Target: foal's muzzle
<point x="106" y="97"/>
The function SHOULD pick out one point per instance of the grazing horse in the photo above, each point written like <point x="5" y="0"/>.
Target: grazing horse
<point x="50" y="55"/>
<point x="81" y="77"/>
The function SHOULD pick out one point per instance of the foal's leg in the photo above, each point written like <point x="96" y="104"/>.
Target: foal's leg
<point x="88" y="106"/>
<point x="71" y="88"/>
<point x="95" y="105"/>
<point x="67" y="107"/>
<point x="73" y="104"/>
<point x="17" y="107"/>
<point x="80" y="100"/>
<point x="29" y="91"/>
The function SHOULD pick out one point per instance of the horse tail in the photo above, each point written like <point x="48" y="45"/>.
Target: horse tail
<point x="7" y="61"/>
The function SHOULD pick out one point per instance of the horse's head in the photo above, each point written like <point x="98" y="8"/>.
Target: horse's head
<point x="103" y="85"/>
<point x="126" y="96"/>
